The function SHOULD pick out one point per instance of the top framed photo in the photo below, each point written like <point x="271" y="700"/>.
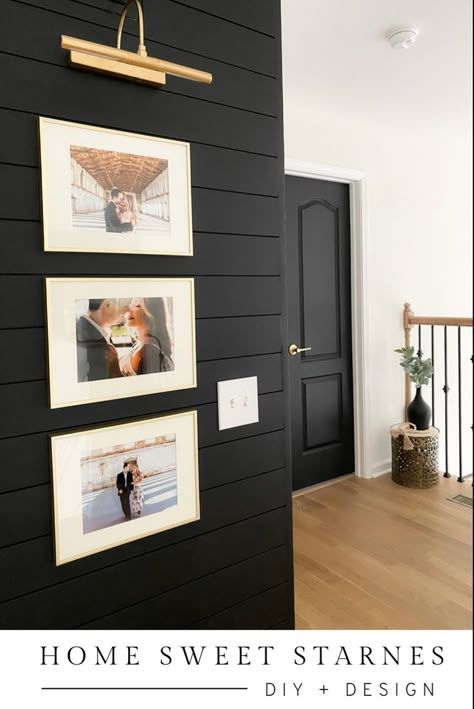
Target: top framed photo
<point x="114" y="192"/>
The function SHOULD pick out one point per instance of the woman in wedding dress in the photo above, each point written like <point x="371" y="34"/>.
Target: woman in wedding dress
<point x="151" y="352"/>
<point x="136" y="496"/>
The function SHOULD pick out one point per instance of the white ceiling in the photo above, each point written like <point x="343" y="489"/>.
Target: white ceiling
<point x="336" y="57"/>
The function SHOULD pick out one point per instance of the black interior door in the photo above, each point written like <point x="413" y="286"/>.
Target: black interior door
<point x="319" y="315"/>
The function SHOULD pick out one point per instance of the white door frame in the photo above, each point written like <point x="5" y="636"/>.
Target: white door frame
<point x="360" y="323"/>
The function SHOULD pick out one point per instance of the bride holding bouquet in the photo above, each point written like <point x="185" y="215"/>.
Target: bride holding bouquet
<point x="136" y="497"/>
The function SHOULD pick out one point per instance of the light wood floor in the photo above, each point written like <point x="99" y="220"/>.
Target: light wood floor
<point x="373" y="554"/>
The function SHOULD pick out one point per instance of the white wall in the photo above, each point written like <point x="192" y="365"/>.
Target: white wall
<point x="420" y="233"/>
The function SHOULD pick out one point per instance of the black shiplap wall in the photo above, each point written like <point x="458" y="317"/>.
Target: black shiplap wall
<point x="233" y="568"/>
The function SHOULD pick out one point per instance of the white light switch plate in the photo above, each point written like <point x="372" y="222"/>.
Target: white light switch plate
<point x="237" y="402"/>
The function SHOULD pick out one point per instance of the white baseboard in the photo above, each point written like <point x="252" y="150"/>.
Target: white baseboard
<point x="381" y="468"/>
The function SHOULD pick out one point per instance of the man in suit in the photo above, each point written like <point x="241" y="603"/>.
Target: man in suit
<point x="112" y="221"/>
<point x="97" y="358"/>
<point x="125" y="487"/>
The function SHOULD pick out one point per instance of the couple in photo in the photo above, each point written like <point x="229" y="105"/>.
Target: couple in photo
<point x="97" y="356"/>
<point x="129" y="486"/>
<point x="119" y="215"/>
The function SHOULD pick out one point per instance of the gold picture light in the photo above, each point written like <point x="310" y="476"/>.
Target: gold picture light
<point x="115" y="60"/>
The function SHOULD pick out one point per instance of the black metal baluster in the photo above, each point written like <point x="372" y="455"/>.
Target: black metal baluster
<point x="460" y="478"/>
<point x="433" y="377"/>
<point x="446" y="392"/>
<point x="419" y="353"/>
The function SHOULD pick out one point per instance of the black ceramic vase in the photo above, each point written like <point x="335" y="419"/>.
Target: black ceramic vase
<point x="418" y="412"/>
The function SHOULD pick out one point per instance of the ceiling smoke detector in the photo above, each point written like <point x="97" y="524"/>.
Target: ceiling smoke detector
<point x="403" y="39"/>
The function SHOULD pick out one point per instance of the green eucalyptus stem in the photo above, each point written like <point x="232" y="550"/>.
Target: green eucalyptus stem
<point x="419" y="370"/>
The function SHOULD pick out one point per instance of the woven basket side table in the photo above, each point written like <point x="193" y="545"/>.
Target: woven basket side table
<point x="415" y="456"/>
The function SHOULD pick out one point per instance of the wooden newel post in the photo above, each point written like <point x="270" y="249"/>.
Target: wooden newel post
<point x="407" y="326"/>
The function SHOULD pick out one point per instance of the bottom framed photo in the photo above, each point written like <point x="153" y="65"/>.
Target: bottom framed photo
<point x="118" y="483"/>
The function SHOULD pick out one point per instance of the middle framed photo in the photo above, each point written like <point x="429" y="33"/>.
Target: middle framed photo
<point x="111" y="338"/>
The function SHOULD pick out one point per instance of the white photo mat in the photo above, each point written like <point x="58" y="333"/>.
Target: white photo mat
<point x="56" y="139"/>
<point x="66" y="453"/>
<point x="61" y="297"/>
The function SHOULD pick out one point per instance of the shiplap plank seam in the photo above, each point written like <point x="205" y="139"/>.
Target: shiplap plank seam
<point x="195" y="580"/>
<point x="150" y="41"/>
<point x="131" y="558"/>
<point x="143" y="132"/>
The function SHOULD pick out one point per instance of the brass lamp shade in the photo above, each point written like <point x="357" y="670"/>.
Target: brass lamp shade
<point x="129" y="65"/>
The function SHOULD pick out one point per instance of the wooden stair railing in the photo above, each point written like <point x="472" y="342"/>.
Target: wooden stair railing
<point x="410" y="320"/>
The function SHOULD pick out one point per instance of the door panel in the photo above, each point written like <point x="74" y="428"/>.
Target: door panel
<point x="322" y="411"/>
<point x="319" y="282"/>
<point x="319" y="314"/>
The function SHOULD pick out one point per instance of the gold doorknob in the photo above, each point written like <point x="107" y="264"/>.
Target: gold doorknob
<point x="294" y="349"/>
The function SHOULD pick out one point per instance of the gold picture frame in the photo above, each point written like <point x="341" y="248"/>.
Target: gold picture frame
<point x="111" y="191"/>
<point x="147" y="468"/>
<point x="113" y="338"/>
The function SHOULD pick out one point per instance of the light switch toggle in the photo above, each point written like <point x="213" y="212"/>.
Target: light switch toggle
<point x="237" y="402"/>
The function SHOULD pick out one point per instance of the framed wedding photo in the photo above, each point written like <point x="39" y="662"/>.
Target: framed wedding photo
<point x="119" y="483"/>
<point x="111" y="338"/>
<point x="114" y="192"/>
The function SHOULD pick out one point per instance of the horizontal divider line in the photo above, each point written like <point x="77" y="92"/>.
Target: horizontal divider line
<point x="131" y="558"/>
<point x="233" y="605"/>
<point x="23" y="381"/>
<point x="178" y="586"/>
<point x="19" y="164"/>
<point x="133" y="419"/>
<point x="198" y="319"/>
<point x="279" y="622"/>
<point x="218" y="61"/>
<point x="244" y="438"/>
<point x="136" y="418"/>
<point x="145" y="689"/>
<point x="199" y="361"/>
<point x="51" y="274"/>
<point x="28" y="327"/>
<point x="207" y="317"/>
<point x="197" y="232"/>
<point x="279" y="156"/>
<point x="221" y="233"/>
<point x="147" y="39"/>
<point x="185" y="4"/>
<point x="23" y="541"/>
<point x="128" y="275"/>
<point x="193" y="186"/>
<point x="110" y="11"/>
<point x="163" y="90"/>
<point x="117" y="3"/>
<point x="233" y="317"/>
<point x="142" y="275"/>
<point x="225" y="105"/>
<point x="42" y="327"/>
<point x="21" y="489"/>
<point x="247" y="194"/>
<point x="16" y="219"/>
<point x="221" y="103"/>
<point x="245" y="356"/>
<point x="201" y="490"/>
<point x="224" y="19"/>
<point x="239" y="480"/>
